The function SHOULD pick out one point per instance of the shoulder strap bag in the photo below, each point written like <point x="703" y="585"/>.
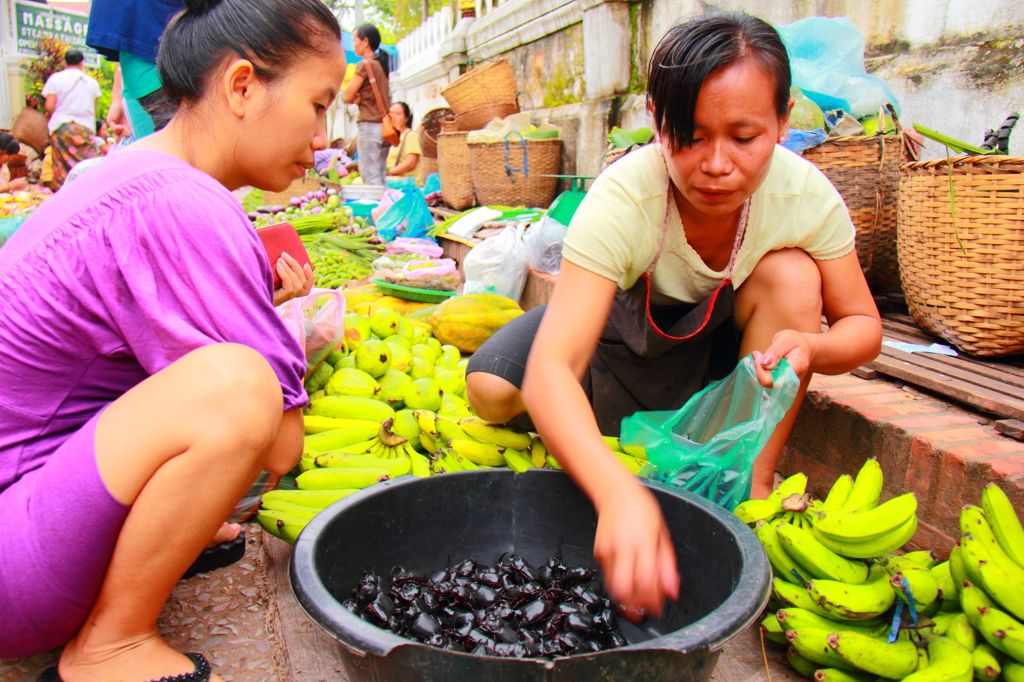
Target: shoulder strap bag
<point x="388" y="131"/>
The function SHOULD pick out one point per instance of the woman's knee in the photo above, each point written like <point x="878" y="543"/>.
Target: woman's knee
<point x="789" y="281"/>
<point x="492" y="398"/>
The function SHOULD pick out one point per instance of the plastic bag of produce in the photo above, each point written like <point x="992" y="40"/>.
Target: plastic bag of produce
<point x="8" y="226"/>
<point x="407" y="217"/>
<point x="543" y="244"/>
<point x="498" y="265"/>
<point x="708" y="447"/>
<point x="426" y="248"/>
<point x="827" y="60"/>
<point x="317" y="322"/>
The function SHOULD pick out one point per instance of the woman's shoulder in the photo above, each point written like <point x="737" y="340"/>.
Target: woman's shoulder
<point x="793" y="175"/>
<point x="641" y="175"/>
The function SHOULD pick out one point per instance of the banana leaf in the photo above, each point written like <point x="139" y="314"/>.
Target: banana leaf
<point x="953" y="143"/>
<point x="621" y="139"/>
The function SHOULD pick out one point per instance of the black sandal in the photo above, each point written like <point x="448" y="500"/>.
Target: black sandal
<point x="200" y="674"/>
<point x="224" y="554"/>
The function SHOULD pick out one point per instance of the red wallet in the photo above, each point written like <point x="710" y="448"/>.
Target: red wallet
<point x="282" y="238"/>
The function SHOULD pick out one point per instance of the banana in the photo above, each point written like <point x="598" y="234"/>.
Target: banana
<point x="866" y="488"/>
<point x="396" y="466"/>
<point x="515" y="461"/>
<point x="449" y="429"/>
<point x="972" y="600"/>
<point x="853" y="602"/>
<point x="499" y="434"/>
<point x="957" y="569"/>
<point x="894" y="661"/>
<point x="1005" y="524"/>
<point x="861" y="526"/>
<point x="961" y="630"/>
<point x="837" y="675"/>
<point x="752" y="511"/>
<point x="552" y="462"/>
<point x="948" y="661"/>
<point x="837" y="494"/>
<point x="817" y="559"/>
<point x="631" y="463"/>
<point x="351" y="407"/>
<point x="306" y="463"/>
<point x="925" y="557"/>
<point x="429" y="442"/>
<point x="874" y="547"/>
<point x="637" y="451"/>
<point x="793" y="618"/>
<point x="813" y="645"/>
<point x="445" y="463"/>
<point x="789" y="594"/>
<point x="341" y="477"/>
<point x="336" y="439"/>
<point x="1013" y="671"/>
<point x="314" y="424"/>
<point x="944" y="620"/>
<point x="464" y="464"/>
<point x="795" y="484"/>
<point x="389" y="437"/>
<point x="318" y="499"/>
<point x="1013" y="639"/>
<point x="478" y="451"/>
<point x="987" y="662"/>
<point x="538" y="453"/>
<point x="782" y="564"/>
<point x="419" y="465"/>
<point x="295" y="510"/>
<point x="994" y="624"/>
<point x="281" y="525"/>
<point x="923" y="587"/>
<point x="804" y="667"/>
<point x="947" y="588"/>
<point x="613" y="443"/>
<point x="985" y="568"/>
<point x="773" y="630"/>
<point x="973" y="520"/>
<point x="427" y="421"/>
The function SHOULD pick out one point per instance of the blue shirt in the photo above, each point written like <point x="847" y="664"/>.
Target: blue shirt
<point x="133" y="26"/>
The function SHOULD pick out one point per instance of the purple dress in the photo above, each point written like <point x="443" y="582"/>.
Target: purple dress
<point x="120" y="274"/>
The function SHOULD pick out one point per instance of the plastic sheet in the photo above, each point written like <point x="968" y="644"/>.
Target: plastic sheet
<point x="498" y="265"/>
<point x="708" y="447"/>
<point x="543" y="244"/>
<point x="317" y="322"/>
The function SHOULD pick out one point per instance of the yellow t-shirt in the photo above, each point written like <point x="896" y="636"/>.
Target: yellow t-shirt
<point x="409" y="143"/>
<point x="616" y="230"/>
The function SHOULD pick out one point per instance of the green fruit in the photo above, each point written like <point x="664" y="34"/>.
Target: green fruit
<point x="451" y="382"/>
<point x="422" y="350"/>
<point x="357" y="330"/>
<point x="399" y="340"/>
<point x="384" y="323"/>
<point x="401" y="358"/>
<point x="462" y="364"/>
<point x="336" y="356"/>
<point x="352" y="382"/>
<point x="421" y="368"/>
<point x="450" y="356"/>
<point x="373" y="357"/>
<point x="347" y="362"/>
<point x="419" y="335"/>
<point x="393" y="386"/>
<point x="405" y="329"/>
<point x="405" y="425"/>
<point x="435" y="344"/>
<point x="423" y="394"/>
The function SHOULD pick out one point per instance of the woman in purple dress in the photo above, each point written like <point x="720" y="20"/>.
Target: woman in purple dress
<point x="146" y="379"/>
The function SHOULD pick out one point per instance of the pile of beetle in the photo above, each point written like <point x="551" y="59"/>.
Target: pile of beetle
<point x="510" y="609"/>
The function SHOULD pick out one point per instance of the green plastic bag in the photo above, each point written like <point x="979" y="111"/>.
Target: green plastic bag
<point x="708" y="447"/>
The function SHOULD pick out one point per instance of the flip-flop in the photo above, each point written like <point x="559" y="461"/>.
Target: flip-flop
<point x="200" y="674"/>
<point x="224" y="554"/>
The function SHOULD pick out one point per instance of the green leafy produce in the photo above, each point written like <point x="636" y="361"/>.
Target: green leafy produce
<point x="621" y="139"/>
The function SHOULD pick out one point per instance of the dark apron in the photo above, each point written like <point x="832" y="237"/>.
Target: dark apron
<point x="639" y="366"/>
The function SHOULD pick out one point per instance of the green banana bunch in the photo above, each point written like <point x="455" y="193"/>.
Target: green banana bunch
<point x="316" y="499"/>
<point x="814" y="646"/>
<point x="449" y="429"/>
<point x="1013" y="672"/>
<point x="792" y="618"/>
<point x="516" y="461"/>
<point x="1005" y="524"/>
<point x="987" y="662"/>
<point x="538" y="453"/>
<point x="789" y="594"/>
<point x="751" y="512"/>
<point x="803" y="666"/>
<point x="315" y="424"/>
<point x="854" y="602"/>
<point x="923" y="587"/>
<point x="337" y="478"/>
<point x="837" y="494"/>
<point x="782" y="564"/>
<point x="948" y="592"/>
<point x="351" y="407"/>
<point x="867" y="488"/>
<point x="397" y="466"/>
<point x="817" y="559"/>
<point x="961" y="630"/>
<point x="894" y="661"/>
<point x="995" y="626"/>
<point x="942" y="621"/>
<point x="924" y="557"/>
<point x="281" y="525"/>
<point x="861" y="526"/>
<point x="479" y="452"/>
<point x="972" y="600"/>
<point x="335" y="439"/>
<point x="427" y="421"/>
<point x="986" y="561"/>
<point x="499" y="434"/>
<point x="418" y="464"/>
<point x="948" y="661"/>
<point x="866" y="549"/>
<point x="837" y="675"/>
<point x="794" y="485"/>
<point x="957" y="569"/>
<point x="296" y="510"/>
<point x="773" y="629"/>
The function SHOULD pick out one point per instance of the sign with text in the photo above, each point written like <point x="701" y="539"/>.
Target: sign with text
<point x="33" y="21"/>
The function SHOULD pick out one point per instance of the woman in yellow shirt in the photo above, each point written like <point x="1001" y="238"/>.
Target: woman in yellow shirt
<point x="405" y="158"/>
<point x="710" y="245"/>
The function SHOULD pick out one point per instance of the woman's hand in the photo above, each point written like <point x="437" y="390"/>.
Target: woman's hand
<point x="635" y="551"/>
<point x="795" y="346"/>
<point x="296" y="280"/>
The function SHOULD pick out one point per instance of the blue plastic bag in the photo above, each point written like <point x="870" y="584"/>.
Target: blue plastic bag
<point x="799" y="140"/>
<point x="827" y="60"/>
<point x="433" y="183"/>
<point x="708" y="447"/>
<point x="408" y="217"/>
<point x="8" y="226"/>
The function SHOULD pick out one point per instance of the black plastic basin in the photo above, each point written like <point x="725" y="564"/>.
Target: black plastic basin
<point x="425" y="523"/>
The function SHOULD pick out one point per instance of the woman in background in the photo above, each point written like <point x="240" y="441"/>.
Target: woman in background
<point x="373" y="151"/>
<point x="404" y="160"/>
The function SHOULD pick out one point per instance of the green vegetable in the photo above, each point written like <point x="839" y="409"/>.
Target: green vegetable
<point x="621" y="139"/>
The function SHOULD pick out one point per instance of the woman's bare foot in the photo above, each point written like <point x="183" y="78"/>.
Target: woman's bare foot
<point x="145" y="658"/>
<point x="226" y="533"/>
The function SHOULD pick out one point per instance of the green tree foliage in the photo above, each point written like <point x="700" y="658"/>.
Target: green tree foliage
<point x="394" y="18"/>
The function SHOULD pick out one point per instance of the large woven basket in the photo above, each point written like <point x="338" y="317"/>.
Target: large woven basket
<point x="489" y="83"/>
<point x="427" y="167"/>
<point x="866" y="171"/>
<point x="972" y="296"/>
<point x="510" y="173"/>
<point x="454" y="167"/>
<point x="431" y="128"/>
<point x="30" y="128"/>
<point x="478" y="117"/>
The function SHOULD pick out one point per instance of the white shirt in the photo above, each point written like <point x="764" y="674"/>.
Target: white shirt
<point x="76" y="98"/>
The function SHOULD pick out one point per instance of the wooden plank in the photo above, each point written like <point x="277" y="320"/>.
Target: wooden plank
<point x="1011" y="428"/>
<point x="957" y="389"/>
<point x="1013" y="364"/>
<point x="941" y="365"/>
<point x="312" y="655"/>
<point x="1014" y="383"/>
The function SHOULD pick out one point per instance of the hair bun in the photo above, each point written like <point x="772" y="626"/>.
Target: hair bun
<point x="200" y="6"/>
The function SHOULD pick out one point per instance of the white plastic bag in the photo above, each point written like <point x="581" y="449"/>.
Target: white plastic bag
<point x="543" y="243"/>
<point x="498" y="265"/>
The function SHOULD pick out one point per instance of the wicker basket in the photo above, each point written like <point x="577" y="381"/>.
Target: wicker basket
<point x="970" y="296"/>
<point x="456" y="172"/>
<point x="490" y="83"/>
<point x="431" y="128"/>
<point x="479" y="117"/>
<point x="427" y="167"/>
<point x="866" y="171"/>
<point x="510" y="173"/>
<point x="30" y="128"/>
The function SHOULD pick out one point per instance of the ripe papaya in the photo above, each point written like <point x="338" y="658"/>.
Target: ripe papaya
<point x="467" y="321"/>
<point x="366" y="294"/>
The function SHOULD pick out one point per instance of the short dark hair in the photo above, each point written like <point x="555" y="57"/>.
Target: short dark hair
<point x="371" y="33"/>
<point x="407" y="111"/>
<point x="273" y="34"/>
<point x="73" y="57"/>
<point x="9" y="144"/>
<point x="693" y="50"/>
